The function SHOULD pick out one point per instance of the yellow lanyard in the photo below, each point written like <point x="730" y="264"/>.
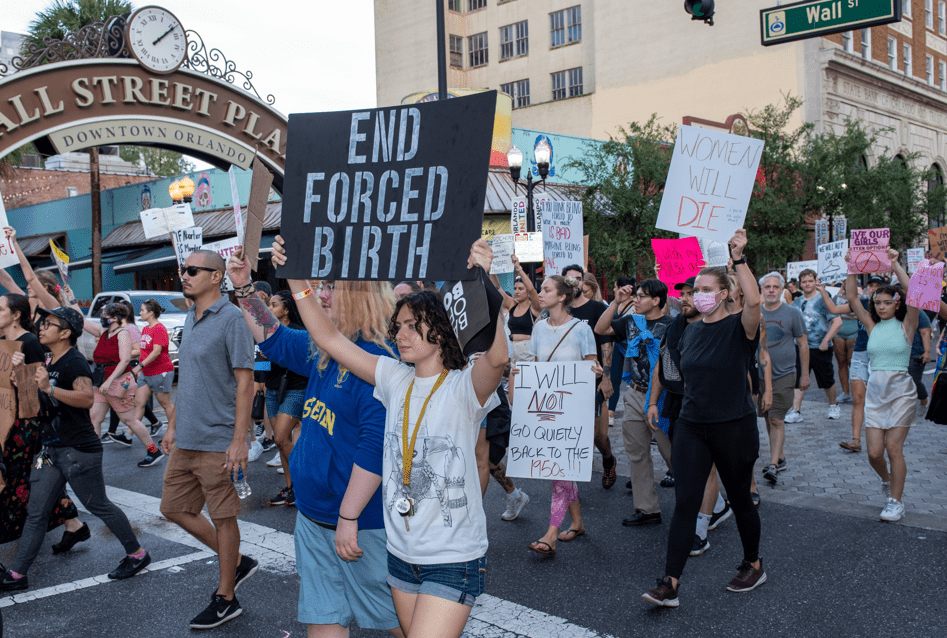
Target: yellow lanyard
<point x="408" y="455"/>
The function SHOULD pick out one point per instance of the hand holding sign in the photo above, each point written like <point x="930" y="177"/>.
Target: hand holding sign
<point x="676" y="260"/>
<point x="238" y="268"/>
<point x="926" y="284"/>
<point x="868" y="251"/>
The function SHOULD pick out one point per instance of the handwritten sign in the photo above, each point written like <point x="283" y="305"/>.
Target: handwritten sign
<point x="868" y="251"/>
<point x="679" y="259"/>
<point x="27" y="390"/>
<point x="502" y="246"/>
<point x="161" y="221"/>
<point x="915" y="257"/>
<point x="61" y="259"/>
<point x="235" y="196"/>
<point x="925" y="287"/>
<point x="938" y="241"/>
<point x="7" y="253"/>
<point x="7" y="394"/>
<point x="793" y="268"/>
<point x="528" y="247"/>
<point x="562" y="235"/>
<point x="709" y="183"/>
<point x="225" y="248"/>
<point x="551" y="430"/>
<point x="832" y="261"/>
<point x="186" y="241"/>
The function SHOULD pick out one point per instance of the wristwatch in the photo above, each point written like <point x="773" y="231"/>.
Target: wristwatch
<point x="741" y="260"/>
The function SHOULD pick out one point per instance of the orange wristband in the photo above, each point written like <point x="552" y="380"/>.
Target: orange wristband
<point x="299" y="296"/>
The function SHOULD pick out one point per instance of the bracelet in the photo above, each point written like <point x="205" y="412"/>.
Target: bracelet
<point x="348" y="519"/>
<point x="741" y="260"/>
<point x="299" y="296"/>
<point x="244" y="291"/>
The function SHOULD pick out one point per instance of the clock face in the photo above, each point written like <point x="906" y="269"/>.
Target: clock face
<point x="156" y="39"/>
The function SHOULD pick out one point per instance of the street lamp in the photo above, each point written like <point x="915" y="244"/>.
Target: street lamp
<point x="174" y="190"/>
<point x="542" y="153"/>
<point x="181" y="190"/>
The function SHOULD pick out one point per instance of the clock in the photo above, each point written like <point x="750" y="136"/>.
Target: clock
<point x="156" y="39"/>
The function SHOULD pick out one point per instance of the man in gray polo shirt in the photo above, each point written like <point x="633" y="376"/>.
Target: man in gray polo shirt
<point x="208" y="439"/>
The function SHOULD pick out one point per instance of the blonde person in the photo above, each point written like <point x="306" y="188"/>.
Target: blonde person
<point x="435" y="402"/>
<point x="523" y="309"/>
<point x="155" y="371"/>
<point x="561" y="337"/>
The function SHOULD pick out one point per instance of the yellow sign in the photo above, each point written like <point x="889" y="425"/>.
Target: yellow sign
<point x="61" y="259"/>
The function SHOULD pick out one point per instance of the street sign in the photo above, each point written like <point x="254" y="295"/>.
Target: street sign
<point x="812" y="18"/>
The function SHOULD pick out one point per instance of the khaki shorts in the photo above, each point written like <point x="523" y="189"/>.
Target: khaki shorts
<point x="119" y="398"/>
<point x="782" y="397"/>
<point x="192" y="478"/>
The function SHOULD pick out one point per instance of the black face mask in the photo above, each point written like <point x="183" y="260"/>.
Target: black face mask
<point x="105" y="321"/>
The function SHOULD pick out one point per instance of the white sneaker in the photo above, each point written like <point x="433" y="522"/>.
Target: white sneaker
<point x="893" y="511"/>
<point x="844" y="398"/>
<point x="792" y="416"/>
<point x="834" y="412"/>
<point x="514" y="506"/>
<point x="275" y="461"/>
<point x="256" y="449"/>
<point x="279" y="470"/>
<point x="886" y="490"/>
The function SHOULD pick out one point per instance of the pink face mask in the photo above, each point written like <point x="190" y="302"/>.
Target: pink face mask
<point x="706" y="302"/>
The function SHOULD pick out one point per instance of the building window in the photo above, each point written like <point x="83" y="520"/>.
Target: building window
<point x="456" y="51"/>
<point x="522" y="38"/>
<point x="929" y="69"/>
<point x="559" y="85"/>
<point x="575" y="82"/>
<point x="892" y="54"/>
<point x="519" y="91"/>
<point x="473" y="5"/>
<point x="848" y="42"/>
<point x="477" y="46"/>
<point x="906" y="11"/>
<point x="908" y="59"/>
<point x="935" y="184"/>
<point x="942" y="67"/>
<point x="514" y="40"/>
<point x="506" y="42"/>
<point x="929" y="14"/>
<point x="567" y="84"/>
<point x="566" y="26"/>
<point x="454" y="5"/>
<point x="942" y="17"/>
<point x="866" y="44"/>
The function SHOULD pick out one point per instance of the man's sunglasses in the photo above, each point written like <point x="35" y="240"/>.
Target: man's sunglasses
<point x="192" y="270"/>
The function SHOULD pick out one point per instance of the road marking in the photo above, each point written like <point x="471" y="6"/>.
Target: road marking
<point x="275" y="550"/>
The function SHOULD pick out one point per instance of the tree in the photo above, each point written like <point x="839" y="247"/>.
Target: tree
<point x="158" y="161"/>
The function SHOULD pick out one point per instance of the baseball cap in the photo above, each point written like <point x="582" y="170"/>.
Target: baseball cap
<point x="69" y="315"/>
<point x="263" y="287"/>
<point x="690" y="282"/>
<point x="876" y="280"/>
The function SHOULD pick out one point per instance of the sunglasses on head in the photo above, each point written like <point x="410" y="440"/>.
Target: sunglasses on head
<point x="192" y="270"/>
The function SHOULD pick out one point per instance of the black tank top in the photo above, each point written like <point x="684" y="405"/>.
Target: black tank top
<point x="522" y="325"/>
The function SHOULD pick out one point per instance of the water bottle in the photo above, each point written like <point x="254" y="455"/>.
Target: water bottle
<point x="240" y="483"/>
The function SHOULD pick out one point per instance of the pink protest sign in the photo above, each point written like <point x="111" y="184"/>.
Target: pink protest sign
<point x="925" y="287"/>
<point x="679" y="259"/>
<point x="868" y="251"/>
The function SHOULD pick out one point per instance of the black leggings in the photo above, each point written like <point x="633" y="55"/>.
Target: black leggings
<point x="732" y="446"/>
<point x="149" y="415"/>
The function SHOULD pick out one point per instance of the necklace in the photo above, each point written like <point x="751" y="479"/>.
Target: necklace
<point x="408" y="447"/>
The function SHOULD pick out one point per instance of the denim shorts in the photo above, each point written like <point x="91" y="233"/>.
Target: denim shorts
<point x="858" y="369"/>
<point x="458" y="582"/>
<point x="292" y="403"/>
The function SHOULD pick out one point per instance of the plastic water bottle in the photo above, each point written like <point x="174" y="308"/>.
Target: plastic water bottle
<point x="240" y="483"/>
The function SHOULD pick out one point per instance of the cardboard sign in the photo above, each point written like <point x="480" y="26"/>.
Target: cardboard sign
<point x="235" y="196"/>
<point x="793" y="268"/>
<point x="831" y="261"/>
<point x="186" y="241"/>
<point x="821" y="231"/>
<point x="27" y="390"/>
<point x="562" y="235"/>
<point x="937" y="237"/>
<point x="868" y="251"/>
<point x="8" y="409"/>
<point x="502" y="246"/>
<point x="914" y="256"/>
<point x="7" y="252"/>
<point x="161" y="221"/>
<point x="528" y="247"/>
<point x="386" y="194"/>
<point x="679" y="259"/>
<point x="709" y="183"/>
<point x="225" y="248"/>
<point x="256" y="211"/>
<point x="466" y="305"/>
<point x="926" y="284"/>
<point x="553" y="413"/>
<point x="61" y="259"/>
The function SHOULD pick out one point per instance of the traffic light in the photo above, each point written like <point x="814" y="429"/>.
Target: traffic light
<point x="700" y="10"/>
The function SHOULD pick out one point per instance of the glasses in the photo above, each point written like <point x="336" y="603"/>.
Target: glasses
<point x="324" y="286"/>
<point x="642" y="296"/>
<point x="191" y="271"/>
<point x="46" y="323"/>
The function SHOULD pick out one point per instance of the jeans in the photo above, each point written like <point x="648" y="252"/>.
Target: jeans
<point x="83" y="472"/>
<point x="916" y="370"/>
<point x="734" y="447"/>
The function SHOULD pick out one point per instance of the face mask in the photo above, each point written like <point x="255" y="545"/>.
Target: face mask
<point x="706" y="302"/>
<point x="105" y="321"/>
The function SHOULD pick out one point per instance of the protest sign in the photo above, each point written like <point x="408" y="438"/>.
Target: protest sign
<point x="256" y="211"/>
<point x="715" y="253"/>
<point x="926" y="285"/>
<point x="551" y="428"/>
<point x="225" y="248"/>
<point x="61" y="259"/>
<point x="839" y="228"/>
<point x="237" y="214"/>
<point x="466" y="305"/>
<point x="709" y="183"/>
<point x="161" y="221"/>
<point x="539" y="199"/>
<point x="562" y="235"/>
<point x="186" y="241"/>
<point x="679" y="259"/>
<point x="389" y="193"/>
<point x="868" y="251"/>
<point x="27" y="390"/>
<point x="528" y="247"/>
<point x="7" y="253"/>
<point x="793" y="268"/>
<point x="831" y="261"/>
<point x="8" y="412"/>
<point x="502" y="246"/>
<point x="915" y="256"/>
<point x="937" y="237"/>
<point x="518" y="215"/>
<point x="821" y="230"/>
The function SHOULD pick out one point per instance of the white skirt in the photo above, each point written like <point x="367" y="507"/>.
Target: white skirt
<point x="891" y="400"/>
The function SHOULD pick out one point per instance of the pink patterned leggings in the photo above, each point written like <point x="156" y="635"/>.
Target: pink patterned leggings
<point x="563" y="494"/>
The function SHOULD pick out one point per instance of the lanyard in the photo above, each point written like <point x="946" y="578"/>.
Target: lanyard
<point x="408" y="456"/>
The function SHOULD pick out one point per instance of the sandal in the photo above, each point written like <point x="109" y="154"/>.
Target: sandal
<point x="851" y="446"/>
<point x="549" y="551"/>
<point x="575" y="534"/>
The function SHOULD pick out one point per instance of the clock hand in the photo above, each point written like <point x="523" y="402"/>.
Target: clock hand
<point x="164" y="34"/>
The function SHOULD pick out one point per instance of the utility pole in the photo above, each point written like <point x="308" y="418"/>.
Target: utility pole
<point x="441" y="53"/>
<point x="96" y="197"/>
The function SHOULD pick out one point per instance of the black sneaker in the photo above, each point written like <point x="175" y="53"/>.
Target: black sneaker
<point x="700" y="546"/>
<point x="668" y="480"/>
<point x="245" y="569"/>
<point x="9" y="583"/>
<point x="720" y="516"/>
<point x="106" y="439"/>
<point x="747" y="578"/>
<point x="769" y="473"/>
<point x="121" y="439"/>
<point x="219" y="611"/>
<point x="285" y="497"/>
<point x="664" y="595"/>
<point x="129" y="567"/>
<point x="156" y="427"/>
<point x="268" y="444"/>
<point x="151" y="458"/>
<point x="258" y="429"/>
<point x="781" y="466"/>
<point x="70" y="539"/>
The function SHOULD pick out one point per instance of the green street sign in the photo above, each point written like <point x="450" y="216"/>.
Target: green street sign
<point x="812" y="18"/>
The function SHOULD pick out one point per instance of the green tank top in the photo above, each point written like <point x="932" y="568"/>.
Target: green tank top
<point x="887" y="347"/>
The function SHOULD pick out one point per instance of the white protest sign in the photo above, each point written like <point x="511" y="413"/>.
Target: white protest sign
<point x="821" y="230"/>
<point x="61" y="259"/>
<point x="832" y="266"/>
<point x="793" y="268"/>
<point x="224" y="248"/>
<point x="562" y="235"/>
<point x="502" y="246"/>
<point x="186" y="241"/>
<point x="7" y="253"/>
<point x="161" y="221"/>
<point x="538" y="201"/>
<point x="715" y="253"/>
<point x="528" y="247"/>
<point x="237" y="215"/>
<point x="709" y="183"/>
<point x="551" y="428"/>
<point x="915" y="257"/>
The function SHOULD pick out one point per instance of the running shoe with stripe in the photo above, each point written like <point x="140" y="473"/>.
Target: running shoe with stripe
<point x="748" y="578"/>
<point x="664" y="595"/>
<point x="219" y="611"/>
<point x="720" y="516"/>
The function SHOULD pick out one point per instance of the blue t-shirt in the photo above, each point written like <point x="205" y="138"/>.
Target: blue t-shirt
<point x="923" y="321"/>
<point x="342" y="424"/>
<point x="817" y="318"/>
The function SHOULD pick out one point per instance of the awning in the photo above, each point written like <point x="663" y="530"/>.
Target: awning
<point x="216" y="224"/>
<point x="36" y="244"/>
<point x="164" y="258"/>
<point x="86" y="260"/>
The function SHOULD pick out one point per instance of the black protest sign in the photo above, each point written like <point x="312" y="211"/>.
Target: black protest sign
<point x="472" y="311"/>
<point x="386" y="194"/>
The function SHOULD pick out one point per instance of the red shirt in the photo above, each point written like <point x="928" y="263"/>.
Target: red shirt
<point x="151" y="337"/>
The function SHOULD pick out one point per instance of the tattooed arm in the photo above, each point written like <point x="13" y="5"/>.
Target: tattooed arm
<point x="256" y="312"/>
<point x="79" y="396"/>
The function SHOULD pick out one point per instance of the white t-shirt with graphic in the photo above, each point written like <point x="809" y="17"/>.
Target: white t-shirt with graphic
<point x="448" y="525"/>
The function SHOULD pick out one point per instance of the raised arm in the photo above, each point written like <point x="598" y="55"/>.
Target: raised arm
<point x="508" y="301"/>
<point x="256" y="312"/>
<point x="903" y="277"/>
<point x="534" y="306"/>
<point x="830" y="304"/>
<point x="604" y="324"/>
<point x="7" y="282"/>
<point x="851" y="293"/>
<point x="488" y="370"/>
<point x="751" y="290"/>
<point x="45" y="299"/>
